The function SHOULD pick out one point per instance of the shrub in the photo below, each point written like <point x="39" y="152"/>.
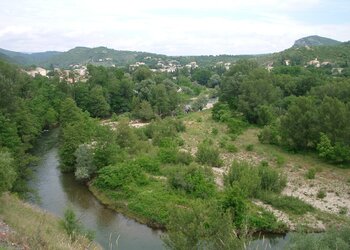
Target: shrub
<point x="208" y="154"/>
<point x="249" y="147"/>
<point x="118" y="176"/>
<point x="343" y="210"/>
<point x="221" y="112"/>
<point x="184" y="158"/>
<point x="236" y="126"/>
<point x="269" y="135"/>
<point x="245" y="176"/>
<point x="73" y="227"/>
<point x="271" y="179"/>
<point x="214" y="131"/>
<point x="234" y="201"/>
<point x="148" y="164"/>
<point x="167" y="155"/>
<point x="310" y="174"/>
<point x="85" y="166"/>
<point x="201" y="226"/>
<point x="231" y="148"/>
<point x="7" y="171"/>
<point x="321" y="194"/>
<point x="193" y="180"/>
<point x="173" y="156"/>
<point x="280" y="160"/>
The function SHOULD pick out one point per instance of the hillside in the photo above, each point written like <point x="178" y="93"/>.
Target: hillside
<point x="303" y="50"/>
<point x="315" y="41"/>
<point x="27" y="58"/>
<point x="335" y="55"/>
<point x="102" y="56"/>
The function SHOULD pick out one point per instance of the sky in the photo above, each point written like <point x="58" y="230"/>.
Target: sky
<point x="171" y="27"/>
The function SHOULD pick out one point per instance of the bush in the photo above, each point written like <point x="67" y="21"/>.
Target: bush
<point x="252" y="180"/>
<point x="166" y="128"/>
<point x="173" y="156"/>
<point x="231" y="148"/>
<point x="85" y="166"/>
<point x="271" y="179"/>
<point x="118" y="176"/>
<point x="221" y="112"/>
<point x="214" y="131"/>
<point x="193" y="180"/>
<point x="7" y="171"/>
<point x="236" y="126"/>
<point x="167" y="155"/>
<point x="148" y="164"/>
<point x="208" y="154"/>
<point x="201" y="226"/>
<point x="321" y="194"/>
<point x="269" y="135"/>
<point x="245" y="176"/>
<point x="184" y="158"/>
<point x="234" y="202"/>
<point x="249" y="147"/>
<point x="310" y="174"/>
<point x="73" y="227"/>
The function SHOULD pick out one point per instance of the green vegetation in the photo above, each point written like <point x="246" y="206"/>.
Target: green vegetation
<point x="36" y="229"/>
<point x="164" y="171"/>
<point x="334" y="238"/>
<point x="72" y="226"/>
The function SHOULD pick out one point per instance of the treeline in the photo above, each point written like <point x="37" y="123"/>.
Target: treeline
<point x="27" y="106"/>
<point x="300" y="108"/>
<point x="30" y="105"/>
<point x="142" y="94"/>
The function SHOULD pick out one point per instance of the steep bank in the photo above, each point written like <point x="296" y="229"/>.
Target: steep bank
<point x="29" y="227"/>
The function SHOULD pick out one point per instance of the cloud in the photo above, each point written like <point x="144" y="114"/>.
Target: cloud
<point x="179" y="27"/>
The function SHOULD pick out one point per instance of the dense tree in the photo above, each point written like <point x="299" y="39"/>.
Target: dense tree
<point x="7" y="171"/>
<point x="299" y="124"/>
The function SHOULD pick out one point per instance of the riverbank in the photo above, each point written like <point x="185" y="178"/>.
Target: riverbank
<point x="29" y="227"/>
<point x="123" y="209"/>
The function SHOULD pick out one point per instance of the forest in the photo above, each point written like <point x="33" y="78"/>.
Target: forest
<point x="179" y="170"/>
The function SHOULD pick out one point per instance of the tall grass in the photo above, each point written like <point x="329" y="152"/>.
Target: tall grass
<point x="37" y="229"/>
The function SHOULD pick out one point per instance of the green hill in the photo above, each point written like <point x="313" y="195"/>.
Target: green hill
<point x="303" y="50"/>
<point x="315" y="41"/>
<point x="336" y="55"/>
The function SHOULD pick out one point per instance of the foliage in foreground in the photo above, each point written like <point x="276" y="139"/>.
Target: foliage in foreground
<point x="334" y="238"/>
<point x="201" y="226"/>
<point x="73" y="227"/>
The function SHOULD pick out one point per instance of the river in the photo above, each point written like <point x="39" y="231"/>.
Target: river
<point x="57" y="191"/>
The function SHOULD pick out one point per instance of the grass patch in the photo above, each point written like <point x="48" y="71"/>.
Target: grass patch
<point x="288" y="204"/>
<point x="35" y="228"/>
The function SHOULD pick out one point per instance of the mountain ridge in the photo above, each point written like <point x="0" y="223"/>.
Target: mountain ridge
<point x="103" y="56"/>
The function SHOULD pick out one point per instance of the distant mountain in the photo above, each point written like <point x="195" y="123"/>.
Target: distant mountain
<point x="303" y="50"/>
<point x="28" y="58"/>
<point x="315" y="41"/>
<point x="109" y="57"/>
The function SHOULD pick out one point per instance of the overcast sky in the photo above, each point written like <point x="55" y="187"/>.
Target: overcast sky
<point x="171" y="27"/>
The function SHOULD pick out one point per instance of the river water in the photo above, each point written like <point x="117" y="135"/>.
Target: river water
<point x="57" y="191"/>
